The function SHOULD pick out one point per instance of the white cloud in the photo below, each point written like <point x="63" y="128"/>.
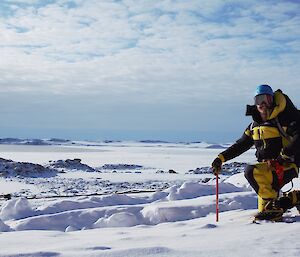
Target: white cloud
<point x="176" y="48"/>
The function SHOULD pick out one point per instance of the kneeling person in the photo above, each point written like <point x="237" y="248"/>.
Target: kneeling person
<point x="275" y="133"/>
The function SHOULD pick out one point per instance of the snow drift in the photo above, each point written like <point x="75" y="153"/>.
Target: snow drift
<point x="177" y="203"/>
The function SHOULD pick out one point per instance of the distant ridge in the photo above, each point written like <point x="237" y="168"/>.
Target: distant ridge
<point x="67" y="142"/>
<point x="215" y="147"/>
<point x="154" y="141"/>
<point x="17" y="141"/>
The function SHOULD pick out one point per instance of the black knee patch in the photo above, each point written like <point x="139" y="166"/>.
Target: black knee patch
<point x="250" y="177"/>
<point x="248" y="173"/>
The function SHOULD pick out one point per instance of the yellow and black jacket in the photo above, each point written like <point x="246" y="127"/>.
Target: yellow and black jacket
<point x="269" y="138"/>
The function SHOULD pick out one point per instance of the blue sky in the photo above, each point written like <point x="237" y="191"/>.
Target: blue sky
<point x="129" y="69"/>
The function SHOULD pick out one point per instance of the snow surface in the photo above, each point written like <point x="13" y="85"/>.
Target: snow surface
<point x="137" y="211"/>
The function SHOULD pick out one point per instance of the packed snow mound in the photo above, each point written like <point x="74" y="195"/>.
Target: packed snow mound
<point x="188" y="201"/>
<point x="90" y="202"/>
<point x="4" y="227"/>
<point x="238" y="180"/>
<point x="11" y="168"/>
<point x="227" y="169"/>
<point x="136" y="214"/>
<point x="190" y="190"/>
<point x="16" y="208"/>
<point x="121" y="219"/>
<point x="71" y="165"/>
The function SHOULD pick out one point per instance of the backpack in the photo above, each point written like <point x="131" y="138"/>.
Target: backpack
<point x="289" y="138"/>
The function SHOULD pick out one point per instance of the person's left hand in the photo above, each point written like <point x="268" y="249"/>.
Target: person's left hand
<point x="216" y="165"/>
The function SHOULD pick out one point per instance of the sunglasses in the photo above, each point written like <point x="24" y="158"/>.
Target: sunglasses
<point x="260" y="99"/>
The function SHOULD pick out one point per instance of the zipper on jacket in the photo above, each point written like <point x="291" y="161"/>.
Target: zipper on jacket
<point x="261" y="135"/>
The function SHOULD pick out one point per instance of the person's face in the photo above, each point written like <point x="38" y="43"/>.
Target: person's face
<point x="264" y="103"/>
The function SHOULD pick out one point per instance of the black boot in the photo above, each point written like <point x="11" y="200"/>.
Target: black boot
<point x="271" y="212"/>
<point x="289" y="200"/>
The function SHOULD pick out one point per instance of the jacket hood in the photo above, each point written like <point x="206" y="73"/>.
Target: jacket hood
<point x="279" y="106"/>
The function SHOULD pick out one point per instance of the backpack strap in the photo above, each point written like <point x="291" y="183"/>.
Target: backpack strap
<point x="281" y="130"/>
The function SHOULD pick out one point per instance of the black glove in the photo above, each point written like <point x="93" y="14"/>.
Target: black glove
<point x="282" y="159"/>
<point x="216" y="165"/>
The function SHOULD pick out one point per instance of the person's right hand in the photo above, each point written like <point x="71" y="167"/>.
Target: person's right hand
<point x="216" y="165"/>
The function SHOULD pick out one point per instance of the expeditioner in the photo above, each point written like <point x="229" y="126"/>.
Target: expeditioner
<point x="275" y="133"/>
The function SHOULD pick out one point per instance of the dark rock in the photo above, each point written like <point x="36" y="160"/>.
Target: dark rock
<point x="227" y="169"/>
<point x="69" y="164"/>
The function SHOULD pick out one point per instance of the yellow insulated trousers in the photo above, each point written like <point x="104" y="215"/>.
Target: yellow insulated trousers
<point x="265" y="181"/>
